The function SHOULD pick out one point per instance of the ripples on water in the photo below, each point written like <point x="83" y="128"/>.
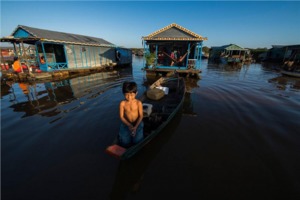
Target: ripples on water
<point x="237" y="136"/>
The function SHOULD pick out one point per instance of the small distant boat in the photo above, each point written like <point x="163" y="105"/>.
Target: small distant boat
<point x="290" y="73"/>
<point x="157" y="117"/>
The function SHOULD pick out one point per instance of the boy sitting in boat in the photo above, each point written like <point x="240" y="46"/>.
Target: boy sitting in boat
<point x="131" y="115"/>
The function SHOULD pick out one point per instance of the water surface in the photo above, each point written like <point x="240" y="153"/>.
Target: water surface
<point x="236" y="137"/>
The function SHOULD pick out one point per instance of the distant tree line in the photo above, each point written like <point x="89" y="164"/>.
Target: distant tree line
<point x="256" y="52"/>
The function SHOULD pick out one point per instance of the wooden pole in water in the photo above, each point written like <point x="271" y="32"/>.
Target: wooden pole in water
<point x="26" y="59"/>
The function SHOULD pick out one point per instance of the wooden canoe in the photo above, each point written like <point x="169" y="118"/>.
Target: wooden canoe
<point x="163" y="110"/>
<point x="290" y="73"/>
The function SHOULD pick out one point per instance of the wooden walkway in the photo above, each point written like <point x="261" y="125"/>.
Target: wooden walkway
<point x="53" y="75"/>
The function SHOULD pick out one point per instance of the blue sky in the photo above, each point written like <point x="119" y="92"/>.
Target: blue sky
<point x="249" y="24"/>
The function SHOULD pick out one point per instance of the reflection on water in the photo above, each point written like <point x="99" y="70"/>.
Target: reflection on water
<point x="44" y="98"/>
<point x="130" y="173"/>
<point x="237" y="134"/>
<point x="286" y="83"/>
<point x="226" y="67"/>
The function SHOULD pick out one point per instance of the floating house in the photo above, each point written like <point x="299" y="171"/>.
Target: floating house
<point x="274" y="54"/>
<point x="228" y="54"/>
<point x="52" y="50"/>
<point x="7" y="54"/>
<point x="282" y="53"/>
<point x="292" y="53"/>
<point x="173" y="48"/>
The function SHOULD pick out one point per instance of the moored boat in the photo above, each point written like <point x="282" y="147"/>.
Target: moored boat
<point x="158" y="112"/>
<point x="290" y="73"/>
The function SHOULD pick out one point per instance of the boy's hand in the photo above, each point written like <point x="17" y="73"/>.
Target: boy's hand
<point x="133" y="131"/>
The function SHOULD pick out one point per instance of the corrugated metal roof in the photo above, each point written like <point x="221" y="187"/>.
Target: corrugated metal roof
<point x="61" y="37"/>
<point x="229" y="47"/>
<point x="174" y="32"/>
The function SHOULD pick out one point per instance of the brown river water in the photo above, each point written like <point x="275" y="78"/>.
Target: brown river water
<point x="237" y="136"/>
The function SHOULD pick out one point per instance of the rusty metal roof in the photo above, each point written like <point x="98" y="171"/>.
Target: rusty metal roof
<point x="174" y="32"/>
<point x="61" y="37"/>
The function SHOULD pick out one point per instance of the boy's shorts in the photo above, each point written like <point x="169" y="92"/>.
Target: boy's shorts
<point x="125" y="137"/>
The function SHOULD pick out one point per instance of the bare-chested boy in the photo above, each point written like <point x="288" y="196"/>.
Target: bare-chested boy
<point x="131" y="115"/>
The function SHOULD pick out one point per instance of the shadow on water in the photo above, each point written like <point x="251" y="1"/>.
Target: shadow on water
<point x="129" y="177"/>
<point x="5" y="88"/>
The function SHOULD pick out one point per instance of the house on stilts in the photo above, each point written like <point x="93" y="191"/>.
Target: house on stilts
<point x="173" y="48"/>
<point x="229" y="54"/>
<point x="64" y="51"/>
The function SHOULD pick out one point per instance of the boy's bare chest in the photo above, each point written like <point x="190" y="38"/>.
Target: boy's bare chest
<point x="131" y="106"/>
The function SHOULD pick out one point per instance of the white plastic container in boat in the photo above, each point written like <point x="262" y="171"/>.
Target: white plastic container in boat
<point x="147" y="109"/>
<point x="165" y="89"/>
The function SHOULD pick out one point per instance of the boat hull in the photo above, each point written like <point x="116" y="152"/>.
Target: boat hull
<point x="288" y="73"/>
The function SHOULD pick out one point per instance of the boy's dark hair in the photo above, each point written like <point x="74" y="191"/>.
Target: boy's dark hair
<point x="129" y="87"/>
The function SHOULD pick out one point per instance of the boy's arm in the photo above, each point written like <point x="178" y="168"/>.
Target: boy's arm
<point x="141" y="114"/>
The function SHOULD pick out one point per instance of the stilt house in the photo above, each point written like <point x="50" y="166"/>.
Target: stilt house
<point x="173" y="48"/>
<point x="64" y="50"/>
<point x="230" y="53"/>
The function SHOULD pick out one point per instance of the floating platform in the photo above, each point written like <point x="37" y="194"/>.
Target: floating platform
<point x="27" y="76"/>
<point x="170" y="72"/>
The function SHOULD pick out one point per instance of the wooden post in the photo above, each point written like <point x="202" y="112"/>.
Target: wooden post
<point x="156" y="50"/>
<point x="25" y="59"/>
<point x="200" y="55"/>
<point x="188" y="55"/>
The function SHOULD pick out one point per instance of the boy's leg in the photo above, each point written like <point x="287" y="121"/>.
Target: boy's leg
<point x="139" y="136"/>
<point x="124" y="136"/>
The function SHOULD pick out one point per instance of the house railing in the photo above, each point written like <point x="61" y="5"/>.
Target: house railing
<point x="192" y="64"/>
<point x="53" y="66"/>
<point x="58" y="65"/>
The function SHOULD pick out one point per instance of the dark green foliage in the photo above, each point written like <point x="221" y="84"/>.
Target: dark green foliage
<point x="256" y="52"/>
